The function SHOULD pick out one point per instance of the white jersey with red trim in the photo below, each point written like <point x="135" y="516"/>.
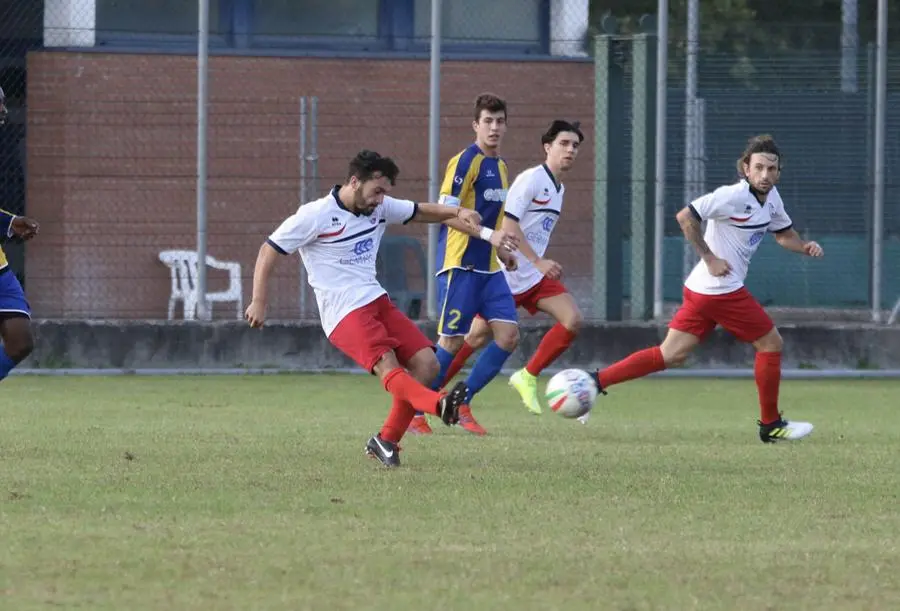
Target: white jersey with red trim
<point x="534" y="200"/>
<point x="736" y="224"/>
<point x="339" y="249"/>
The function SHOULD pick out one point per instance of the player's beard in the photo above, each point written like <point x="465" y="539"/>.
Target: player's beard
<point x="359" y="203"/>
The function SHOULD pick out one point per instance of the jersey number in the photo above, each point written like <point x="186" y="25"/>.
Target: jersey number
<point x="453" y="319"/>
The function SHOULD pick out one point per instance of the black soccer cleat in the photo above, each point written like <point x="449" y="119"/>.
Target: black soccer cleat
<point x="596" y="378"/>
<point x="449" y="404"/>
<point x="385" y="451"/>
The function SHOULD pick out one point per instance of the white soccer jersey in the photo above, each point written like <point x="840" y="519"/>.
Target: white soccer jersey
<point x="338" y="249"/>
<point x="535" y="201"/>
<point x="736" y="224"/>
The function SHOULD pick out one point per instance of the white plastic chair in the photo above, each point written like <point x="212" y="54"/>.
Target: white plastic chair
<point x="183" y="271"/>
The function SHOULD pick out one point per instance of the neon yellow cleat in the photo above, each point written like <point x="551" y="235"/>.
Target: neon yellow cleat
<point x="526" y="385"/>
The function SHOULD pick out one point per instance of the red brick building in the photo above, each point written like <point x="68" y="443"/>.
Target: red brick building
<point x="111" y="158"/>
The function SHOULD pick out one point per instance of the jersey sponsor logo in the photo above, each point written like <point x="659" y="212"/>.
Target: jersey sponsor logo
<point x="547" y="224"/>
<point x="362" y="253"/>
<point x="458" y="180"/>
<point x="757" y="237"/>
<point x="495" y="195"/>
<point x="363" y="246"/>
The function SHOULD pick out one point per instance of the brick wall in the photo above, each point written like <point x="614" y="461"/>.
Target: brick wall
<point x="112" y="158"/>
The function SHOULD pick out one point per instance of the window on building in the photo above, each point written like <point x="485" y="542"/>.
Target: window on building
<point x="347" y="20"/>
<point x="477" y="22"/>
<point x="139" y="18"/>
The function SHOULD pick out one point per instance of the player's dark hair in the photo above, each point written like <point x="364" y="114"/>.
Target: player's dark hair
<point x="490" y="103"/>
<point x="758" y="144"/>
<point x="367" y="164"/>
<point x="559" y="126"/>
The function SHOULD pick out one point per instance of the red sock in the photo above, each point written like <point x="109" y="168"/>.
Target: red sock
<point x="554" y="343"/>
<point x="641" y="363"/>
<point x="458" y="361"/>
<point x="767" y="371"/>
<point x="406" y="388"/>
<point x="397" y="421"/>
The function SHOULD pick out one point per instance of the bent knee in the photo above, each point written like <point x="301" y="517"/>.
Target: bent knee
<point x="18" y="344"/>
<point x="425" y="370"/>
<point x="574" y="323"/>
<point x="676" y="358"/>
<point x="507" y="338"/>
<point x="770" y="342"/>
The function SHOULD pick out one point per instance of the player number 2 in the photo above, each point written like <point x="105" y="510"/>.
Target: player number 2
<point x="453" y="322"/>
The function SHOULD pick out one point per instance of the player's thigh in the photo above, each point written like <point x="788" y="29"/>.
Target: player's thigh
<point x="363" y="337"/>
<point x="691" y="317"/>
<point x="458" y="292"/>
<point x="497" y="302"/>
<point x="479" y="334"/>
<point x="742" y="315"/>
<point x="560" y="304"/>
<point x="498" y="307"/>
<point x="409" y="338"/>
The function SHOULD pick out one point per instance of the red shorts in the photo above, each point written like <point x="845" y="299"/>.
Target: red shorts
<point x="542" y="290"/>
<point x="368" y="333"/>
<point x="738" y="312"/>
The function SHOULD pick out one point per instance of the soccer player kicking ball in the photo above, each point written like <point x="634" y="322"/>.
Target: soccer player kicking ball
<point x="532" y="210"/>
<point x="470" y="281"/>
<point x="338" y="238"/>
<point x="738" y="217"/>
<point x="15" y="312"/>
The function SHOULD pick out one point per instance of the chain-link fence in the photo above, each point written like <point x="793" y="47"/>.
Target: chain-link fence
<point x="297" y="88"/>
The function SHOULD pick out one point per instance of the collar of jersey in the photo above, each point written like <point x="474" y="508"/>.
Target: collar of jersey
<point x="756" y="193"/>
<point x="556" y="183"/>
<point x="334" y="193"/>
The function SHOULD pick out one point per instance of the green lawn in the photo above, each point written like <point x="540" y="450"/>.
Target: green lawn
<point x="239" y="493"/>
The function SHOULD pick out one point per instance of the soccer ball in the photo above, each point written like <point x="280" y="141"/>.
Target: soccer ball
<point x="571" y="393"/>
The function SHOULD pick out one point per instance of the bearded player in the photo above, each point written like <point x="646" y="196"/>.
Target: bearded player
<point x="738" y="217"/>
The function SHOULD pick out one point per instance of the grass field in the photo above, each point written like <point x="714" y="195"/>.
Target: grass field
<point x="239" y="493"/>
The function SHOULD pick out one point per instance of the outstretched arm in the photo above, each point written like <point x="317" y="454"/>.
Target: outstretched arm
<point x="791" y="240"/>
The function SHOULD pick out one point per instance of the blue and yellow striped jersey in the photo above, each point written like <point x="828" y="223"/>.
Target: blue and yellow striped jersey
<point x="6" y="219"/>
<point x="478" y="182"/>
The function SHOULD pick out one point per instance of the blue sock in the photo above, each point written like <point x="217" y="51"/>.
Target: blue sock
<point x="6" y="364"/>
<point x="445" y="358"/>
<point x="486" y="368"/>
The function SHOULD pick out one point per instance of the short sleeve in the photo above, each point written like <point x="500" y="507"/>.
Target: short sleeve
<point x="458" y="178"/>
<point x="398" y="211"/>
<point x="715" y="205"/>
<point x="297" y="230"/>
<point x="780" y="219"/>
<point x="519" y="197"/>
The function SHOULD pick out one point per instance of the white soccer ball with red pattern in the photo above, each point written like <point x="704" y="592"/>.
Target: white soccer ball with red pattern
<point x="571" y="393"/>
